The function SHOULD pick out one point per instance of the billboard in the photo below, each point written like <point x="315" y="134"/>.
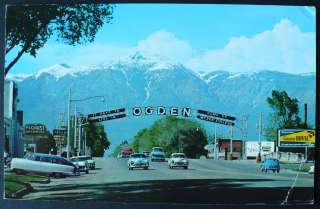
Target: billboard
<point x="34" y="129"/>
<point x="296" y="138"/>
<point x="252" y="148"/>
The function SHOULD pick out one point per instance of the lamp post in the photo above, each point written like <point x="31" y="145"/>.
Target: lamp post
<point x="69" y="110"/>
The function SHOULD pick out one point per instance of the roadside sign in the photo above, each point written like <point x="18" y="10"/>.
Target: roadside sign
<point x="108" y="112"/>
<point x="107" y="118"/>
<point x="59" y="132"/>
<point x="296" y="138"/>
<point x="217" y="115"/>
<point x="34" y="129"/>
<point x="214" y="120"/>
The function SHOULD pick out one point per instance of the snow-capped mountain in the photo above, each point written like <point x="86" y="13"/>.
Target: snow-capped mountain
<point x="151" y="81"/>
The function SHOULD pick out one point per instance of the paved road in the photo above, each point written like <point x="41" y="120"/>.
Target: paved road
<point x="206" y="181"/>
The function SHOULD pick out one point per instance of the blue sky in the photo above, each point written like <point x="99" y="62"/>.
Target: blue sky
<point x="202" y="37"/>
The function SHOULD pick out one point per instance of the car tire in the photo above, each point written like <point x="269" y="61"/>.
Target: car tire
<point x="278" y="171"/>
<point x="87" y="171"/>
<point x="185" y="167"/>
<point x="19" y="171"/>
<point x="145" y="168"/>
<point x="130" y="168"/>
<point x="57" y="175"/>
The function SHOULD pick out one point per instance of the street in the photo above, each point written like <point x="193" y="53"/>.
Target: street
<point x="206" y="181"/>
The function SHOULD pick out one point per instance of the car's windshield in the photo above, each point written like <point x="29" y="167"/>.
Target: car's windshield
<point x="271" y="160"/>
<point x="83" y="158"/>
<point x="157" y="149"/>
<point x="138" y="156"/>
<point x="178" y="156"/>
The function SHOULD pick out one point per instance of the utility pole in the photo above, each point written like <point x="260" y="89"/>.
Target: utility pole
<point x="244" y="133"/>
<point x="215" y="142"/>
<point x="75" y="127"/>
<point x="231" y="143"/>
<point x="306" y="126"/>
<point x="260" y="125"/>
<point x="85" y="143"/>
<point x="79" y="139"/>
<point x="68" y="126"/>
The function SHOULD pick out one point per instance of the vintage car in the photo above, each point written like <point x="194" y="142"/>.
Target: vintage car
<point x="178" y="160"/>
<point x="311" y="170"/>
<point x="81" y="163"/>
<point x="157" y="154"/>
<point x="138" y="160"/>
<point x="126" y="152"/>
<point x="91" y="162"/>
<point x="147" y="153"/>
<point x="44" y="164"/>
<point x="270" y="164"/>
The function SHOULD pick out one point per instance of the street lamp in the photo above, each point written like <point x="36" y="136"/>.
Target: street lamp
<point x="69" y="109"/>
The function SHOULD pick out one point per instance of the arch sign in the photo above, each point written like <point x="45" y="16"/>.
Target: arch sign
<point x="161" y="111"/>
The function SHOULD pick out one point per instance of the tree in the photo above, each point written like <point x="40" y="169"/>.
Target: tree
<point x="28" y="28"/>
<point x="97" y="139"/>
<point x="174" y="135"/>
<point x="46" y="144"/>
<point x="285" y="115"/>
<point x="189" y="141"/>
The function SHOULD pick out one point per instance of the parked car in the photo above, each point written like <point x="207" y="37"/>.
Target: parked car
<point x="7" y="159"/>
<point x="147" y="153"/>
<point x="157" y="154"/>
<point x="44" y="164"/>
<point x="126" y="152"/>
<point x="81" y="163"/>
<point x="311" y="171"/>
<point x="91" y="162"/>
<point x="270" y="164"/>
<point x="178" y="160"/>
<point x="138" y="160"/>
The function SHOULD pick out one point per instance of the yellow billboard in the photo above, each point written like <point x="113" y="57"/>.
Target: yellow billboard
<point x="296" y="138"/>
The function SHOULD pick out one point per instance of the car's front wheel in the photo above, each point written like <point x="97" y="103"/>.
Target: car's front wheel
<point x="57" y="175"/>
<point x="185" y="167"/>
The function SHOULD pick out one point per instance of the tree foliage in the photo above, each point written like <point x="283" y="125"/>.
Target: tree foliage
<point x="285" y="115"/>
<point x="118" y="149"/>
<point x="97" y="139"/>
<point x="46" y="144"/>
<point x="174" y="135"/>
<point x="29" y="27"/>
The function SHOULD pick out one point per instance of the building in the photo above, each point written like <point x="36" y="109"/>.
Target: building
<point x="13" y="121"/>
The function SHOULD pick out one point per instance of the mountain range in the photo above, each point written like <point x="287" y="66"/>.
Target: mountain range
<point x="150" y="81"/>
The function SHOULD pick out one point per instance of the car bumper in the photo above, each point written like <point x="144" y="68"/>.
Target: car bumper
<point x="92" y="166"/>
<point x="158" y="159"/>
<point x="179" y="164"/>
<point x="139" y="165"/>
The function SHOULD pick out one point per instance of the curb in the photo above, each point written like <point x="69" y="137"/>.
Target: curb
<point x="19" y="194"/>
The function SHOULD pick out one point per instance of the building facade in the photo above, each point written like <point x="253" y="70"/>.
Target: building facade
<point x="13" y="121"/>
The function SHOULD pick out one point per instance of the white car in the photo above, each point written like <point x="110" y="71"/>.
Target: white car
<point x="138" y="161"/>
<point x="81" y="163"/>
<point x="311" y="171"/>
<point x="91" y="162"/>
<point x="45" y="164"/>
<point x="178" y="160"/>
